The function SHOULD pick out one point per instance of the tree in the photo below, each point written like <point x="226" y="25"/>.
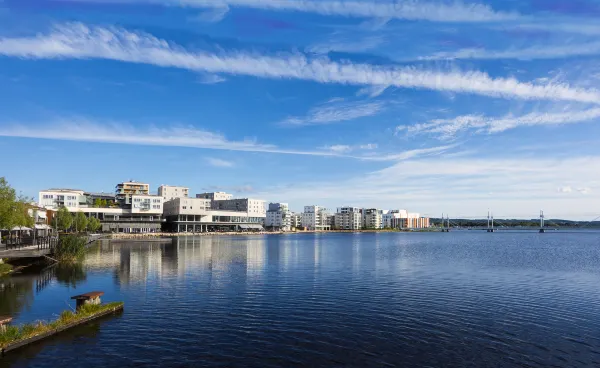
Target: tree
<point x="13" y="208"/>
<point x="80" y="222"/>
<point x="64" y="219"/>
<point x="93" y="224"/>
<point x="97" y="203"/>
<point x="103" y="203"/>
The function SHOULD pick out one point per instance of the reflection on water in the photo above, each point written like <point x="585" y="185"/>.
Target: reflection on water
<point x="461" y="299"/>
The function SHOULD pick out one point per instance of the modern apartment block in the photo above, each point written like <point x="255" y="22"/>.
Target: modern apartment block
<point x="372" y="218"/>
<point x="348" y="218"/>
<point x="402" y="219"/>
<point x="196" y="215"/>
<point x="215" y="196"/>
<point x="295" y="220"/>
<point x="168" y="192"/>
<point x="253" y="207"/>
<point x="124" y="191"/>
<point x="315" y="218"/>
<point x="279" y="217"/>
<point x="142" y="214"/>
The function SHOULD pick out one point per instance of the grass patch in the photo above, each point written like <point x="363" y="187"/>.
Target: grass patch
<point x="5" y="268"/>
<point x="15" y="334"/>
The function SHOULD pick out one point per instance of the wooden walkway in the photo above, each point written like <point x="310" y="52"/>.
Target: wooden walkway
<point x="35" y="251"/>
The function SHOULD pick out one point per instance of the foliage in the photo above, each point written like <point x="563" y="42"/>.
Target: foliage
<point x="5" y="268"/>
<point x="63" y="219"/>
<point x="70" y="248"/>
<point x="93" y="224"/>
<point x="80" y="222"/>
<point x="15" y="334"/>
<point x="13" y="208"/>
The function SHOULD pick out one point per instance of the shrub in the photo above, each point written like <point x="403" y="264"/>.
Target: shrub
<point x="70" y="248"/>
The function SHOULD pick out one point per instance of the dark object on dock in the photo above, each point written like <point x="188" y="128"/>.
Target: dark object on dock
<point x="4" y="320"/>
<point x="88" y="298"/>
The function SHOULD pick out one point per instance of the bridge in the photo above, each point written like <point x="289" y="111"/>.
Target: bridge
<point x="29" y="247"/>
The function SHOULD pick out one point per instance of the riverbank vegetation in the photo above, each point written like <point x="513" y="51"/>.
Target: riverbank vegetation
<point x="70" y="249"/>
<point x="14" y="334"/>
<point x="13" y="208"/>
<point x="5" y="268"/>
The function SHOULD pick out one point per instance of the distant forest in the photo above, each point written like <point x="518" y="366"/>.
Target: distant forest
<point x="518" y="223"/>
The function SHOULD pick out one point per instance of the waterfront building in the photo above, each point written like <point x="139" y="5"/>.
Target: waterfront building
<point x="402" y="219"/>
<point x="93" y="198"/>
<point x="253" y="207"/>
<point x="315" y="218"/>
<point x="168" y="192"/>
<point x="279" y="217"/>
<point x="196" y="215"/>
<point x="348" y="218"/>
<point x="372" y="218"/>
<point x="56" y="198"/>
<point x="124" y="191"/>
<point x="295" y="220"/>
<point x="215" y="196"/>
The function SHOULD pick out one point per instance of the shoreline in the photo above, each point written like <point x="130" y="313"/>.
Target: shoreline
<point x="151" y="236"/>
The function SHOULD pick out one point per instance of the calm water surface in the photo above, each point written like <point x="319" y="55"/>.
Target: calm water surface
<point x="463" y="299"/>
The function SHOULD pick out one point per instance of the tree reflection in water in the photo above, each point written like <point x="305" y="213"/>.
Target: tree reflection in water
<point x="70" y="274"/>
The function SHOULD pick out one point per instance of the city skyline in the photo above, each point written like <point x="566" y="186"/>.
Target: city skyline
<point x="436" y="106"/>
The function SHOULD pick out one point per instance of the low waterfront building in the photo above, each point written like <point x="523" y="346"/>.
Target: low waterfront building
<point x="168" y="192"/>
<point x="279" y="217"/>
<point x="402" y="219"/>
<point x="348" y="218"/>
<point x="195" y="215"/>
<point x="56" y="198"/>
<point x="295" y="220"/>
<point x="254" y="207"/>
<point x="315" y="218"/>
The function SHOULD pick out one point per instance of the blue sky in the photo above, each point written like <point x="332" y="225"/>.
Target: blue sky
<point x="433" y="106"/>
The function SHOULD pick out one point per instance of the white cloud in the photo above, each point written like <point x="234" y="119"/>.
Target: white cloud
<point x="211" y="79"/>
<point x="85" y="130"/>
<point x="461" y="186"/>
<point x="530" y="53"/>
<point x="370" y="146"/>
<point x="78" y="41"/>
<point x="217" y="162"/>
<point x="336" y="112"/>
<point x="584" y="190"/>
<point x="340" y="148"/>
<point x="566" y="189"/>
<point x="346" y="45"/>
<point x="372" y="91"/>
<point x="449" y="128"/>
<point x="213" y="15"/>
<point x="456" y="11"/>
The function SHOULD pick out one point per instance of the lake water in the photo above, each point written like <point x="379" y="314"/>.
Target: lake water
<point x="462" y="299"/>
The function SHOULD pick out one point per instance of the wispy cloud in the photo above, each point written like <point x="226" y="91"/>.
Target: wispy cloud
<point x="530" y="53"/>
<point x="213" y="15"/>
<point x="344" y="148"/>
<point x="78" y="41"/>
<point x="346" y="44"/>
<point x="456" y="11"/>
<point x="85" y="130"/>
<point x="372" y="91"/>
<point x="217" y="162"/>
<point x="449" y="128"/>
<point x="211" y="79"/>
<point x="336" y="112"/>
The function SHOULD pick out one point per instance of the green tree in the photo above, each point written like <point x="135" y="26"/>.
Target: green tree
<point x="80" y="222"/>
<point x="13" y="208"/>
<point x="97" y="203"/>
<point x="103" y="203"/>
<point x="63" y="219"/>
<point x="93" y="224"/>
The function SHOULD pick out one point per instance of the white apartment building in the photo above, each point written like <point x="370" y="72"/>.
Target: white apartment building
<point x="348" y="218"/>
<point x="372" y="218"/>
<point x="215" y="196"/>
<point x="315" y="218"/>
<point x="56" y="198"/>
<point x="253" y="207"/>
<point x="279" y="217"/>
<point x="168" y="192"/>
<point x="295" y="220"/>
<point x="402" y="219"/>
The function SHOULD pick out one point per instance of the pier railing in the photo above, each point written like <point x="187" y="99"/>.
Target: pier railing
<point x="41" y="242"/>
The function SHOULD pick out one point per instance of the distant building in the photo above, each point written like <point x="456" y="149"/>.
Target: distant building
<point x="372" y="218"/>
<point x="124" y="191"/>
<point x="296" y="220"/>
<point x="215" y="196"/>
<point x="169" y="192"/>
<point x="253" y="207"/>
<point x="316" y="218"/>
<point x="279" y="217"/>
<point x="56" y="198"/>
<point x="348" y="218"/>
<point x="402" y="219"/>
